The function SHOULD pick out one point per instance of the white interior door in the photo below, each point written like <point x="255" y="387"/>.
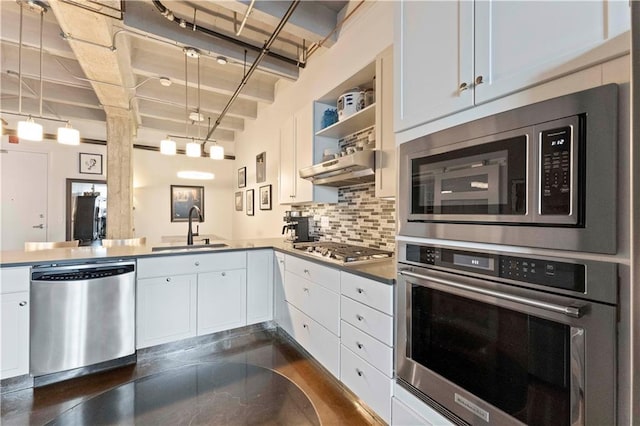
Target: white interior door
<point x="24" y="198"/>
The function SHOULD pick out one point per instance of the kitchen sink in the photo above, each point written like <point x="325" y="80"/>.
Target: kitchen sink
<point x="195" y="247"/>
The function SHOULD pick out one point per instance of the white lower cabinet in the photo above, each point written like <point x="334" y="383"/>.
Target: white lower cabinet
<point x="222" y="299"/>
<point x="259" y="286"/>
<point x="165" y="309"/>
<point x="373" y="387"/>
<point x="14" y="325"/>
<point x="407" y="410"/>
<point x="278" y="289"/>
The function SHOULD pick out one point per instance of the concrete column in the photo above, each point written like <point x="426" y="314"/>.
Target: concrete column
<point x="120" y="133"/>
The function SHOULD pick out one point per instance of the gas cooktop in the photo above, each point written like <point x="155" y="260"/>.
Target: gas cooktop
<point x="343" y="253"/>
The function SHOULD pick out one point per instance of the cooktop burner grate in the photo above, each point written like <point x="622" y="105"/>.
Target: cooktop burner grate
<point x="344" y="253"/>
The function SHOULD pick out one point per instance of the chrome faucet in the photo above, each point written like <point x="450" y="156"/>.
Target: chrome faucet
<point x="190" y="232"/>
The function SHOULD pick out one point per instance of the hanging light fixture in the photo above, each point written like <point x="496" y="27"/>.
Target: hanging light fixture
<point x="29" y="129"/>
<point x="168" y="147"/>
<point x="67" y="135"/>
<point x="216" y="152"/>
<point x="193" y="149"/>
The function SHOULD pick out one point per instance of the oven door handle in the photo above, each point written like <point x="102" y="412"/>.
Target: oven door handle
<point x="572" y="311"/>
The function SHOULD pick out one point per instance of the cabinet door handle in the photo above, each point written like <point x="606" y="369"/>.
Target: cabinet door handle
<point x="281" y="261"/>
<point x="463" y="87"/>
<point x="23" y="303"/>
<point x="359" y="345"/>
<point x="479" y="80"/>
<point x="224" y="274"/>
<point x="306" y="290"/>
<point x="359" y="317"/>
<point x="360" y="373"/>
<point x="306" y="271"/>
<point x="360" y="290"/>
<point x="197" y="263"/>
<point x="168" y="279"/>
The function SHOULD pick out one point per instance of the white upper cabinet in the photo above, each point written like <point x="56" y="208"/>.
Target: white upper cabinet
<point x="297" y="151"/>
<point x="453" y="55"/>
<point x="433" y="60"/>
<point x="385" y="137"/>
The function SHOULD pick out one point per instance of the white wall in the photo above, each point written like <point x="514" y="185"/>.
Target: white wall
<point x="366" y="34"/>
<point x="63" y="164"/>
<point x="153" y="175"/>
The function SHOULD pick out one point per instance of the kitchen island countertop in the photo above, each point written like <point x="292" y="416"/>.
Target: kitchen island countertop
<point x="382" y="270"/>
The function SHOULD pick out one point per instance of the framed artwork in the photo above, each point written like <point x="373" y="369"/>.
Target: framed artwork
<point x="265" y="197"/>
<point x="242" y="177"/>
<point x="261" y="167"/>
<point x="249" y="202"/>
<point x="183" y="198"/>
<point x="239" y="201"/>
<point x="90" y="164"/>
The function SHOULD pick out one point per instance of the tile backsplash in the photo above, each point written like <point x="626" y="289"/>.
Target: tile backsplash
<point x="357" y="218"/>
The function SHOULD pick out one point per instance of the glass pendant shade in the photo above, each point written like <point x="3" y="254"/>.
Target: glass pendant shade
<point x="30" y="130"/>
<point x="168" y="147"/>
<point x="193" y="149"/>
<point x="217" y="152"/>
<point x="68" y="135"/>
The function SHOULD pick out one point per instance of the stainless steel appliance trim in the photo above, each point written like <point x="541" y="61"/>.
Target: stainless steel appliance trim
<point x="572" y="311"/>
<point x="598" y="235"/>
<point x="596" y="388"/>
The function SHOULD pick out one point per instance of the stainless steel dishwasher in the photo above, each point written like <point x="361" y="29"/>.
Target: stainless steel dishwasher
<point x="81" y="315"/>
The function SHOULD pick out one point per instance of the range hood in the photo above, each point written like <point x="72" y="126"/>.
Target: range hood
<point x="350" y="169"/>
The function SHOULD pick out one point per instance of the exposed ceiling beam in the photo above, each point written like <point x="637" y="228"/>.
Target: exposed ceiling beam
<point x="179" y="129"/>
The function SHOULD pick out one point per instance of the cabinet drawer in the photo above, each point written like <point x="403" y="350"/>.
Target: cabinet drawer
<point x="317" y="340"/>
<point x="367" y="319"/>
<point x="314" y="300"/>
<point x="14" y="279"/>
<point x="371" y="293"/>
<point x="323" y="275"/>
<point x="366" y="347"/>
<point x="373" y="387"/>
<point x="189" y="264"/>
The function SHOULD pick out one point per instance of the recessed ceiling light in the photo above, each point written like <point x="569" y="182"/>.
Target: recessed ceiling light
<point x="192" y="174"/>
<point x="165" y="81"/>
<point x="191" y="52"/>
<point x="221" y="60"/>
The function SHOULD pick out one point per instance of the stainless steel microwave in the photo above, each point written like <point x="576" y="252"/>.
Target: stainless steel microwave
<point x="543" y="175"/>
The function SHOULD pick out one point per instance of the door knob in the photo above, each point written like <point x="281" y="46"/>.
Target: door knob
<point x="41" y="226"/>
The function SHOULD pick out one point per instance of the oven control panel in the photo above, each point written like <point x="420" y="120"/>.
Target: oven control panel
<point x="563" y="275"/>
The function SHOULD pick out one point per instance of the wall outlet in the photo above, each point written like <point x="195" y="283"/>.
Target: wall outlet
<point x="324" y="221"/>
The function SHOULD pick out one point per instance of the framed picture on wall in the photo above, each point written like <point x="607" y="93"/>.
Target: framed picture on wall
<point x="261" y="167"/>
<point x="90" y="164"/>
<point x="183" y="198"/>
<point x="239" y="201"/>
<point x="249" y="202"/>
<point x="265" y="197"/>
<point x="242" y="177"/>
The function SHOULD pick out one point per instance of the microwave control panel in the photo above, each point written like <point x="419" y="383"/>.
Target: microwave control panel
<point x="563" y="275"/>
<point x="555" y="171"/>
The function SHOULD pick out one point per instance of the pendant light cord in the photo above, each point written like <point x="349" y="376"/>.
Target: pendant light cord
<point x="186" y="99"/>
<point x="41" y="30"/>
<point x="198" y="96"/>
<point x="20" y="66"/>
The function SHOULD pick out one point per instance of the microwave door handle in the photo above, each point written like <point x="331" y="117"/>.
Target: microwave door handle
<point x="572" y="311"/>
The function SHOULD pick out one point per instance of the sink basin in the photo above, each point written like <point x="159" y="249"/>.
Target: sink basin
<point x="194" y="247"/>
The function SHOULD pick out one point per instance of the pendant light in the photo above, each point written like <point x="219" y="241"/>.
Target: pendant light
<point x="168" y="146"/>
<point x="29" y="129"/>
<point x="216" y="152"/>
<point x="67" y="135"/>
<point x="193" y="149"/>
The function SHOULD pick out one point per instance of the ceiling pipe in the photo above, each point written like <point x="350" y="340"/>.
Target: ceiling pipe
<point x="246" y="16"/>
<point x="263" y="53"/>
<point x="190" y="25"/>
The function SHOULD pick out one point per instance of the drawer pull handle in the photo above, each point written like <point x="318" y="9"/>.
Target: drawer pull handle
<point x="23" y="303"/>
<point x="360" y="290"/>
<point x="306" y="271"/>
<point x="360" y="373"/>
<point x="306" y="290"/>
<point x="224" y="274"/>
<point x="359" y="317"/>
<point x="359" y="345"/>
<point x="168" y="279"/>
<point x="305" y="326"/>
<point x="281" y="261"/>
<point x="197" y="263"/>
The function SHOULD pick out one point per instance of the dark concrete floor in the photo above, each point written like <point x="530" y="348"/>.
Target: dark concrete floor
<point x="255" y="378"/>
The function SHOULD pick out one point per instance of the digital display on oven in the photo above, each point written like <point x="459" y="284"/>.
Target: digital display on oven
<point x="479" y="262"/>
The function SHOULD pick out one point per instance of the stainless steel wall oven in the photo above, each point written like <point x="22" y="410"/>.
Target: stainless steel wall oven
<point x="543" y="175"/>
<point x="503" y="338"/>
